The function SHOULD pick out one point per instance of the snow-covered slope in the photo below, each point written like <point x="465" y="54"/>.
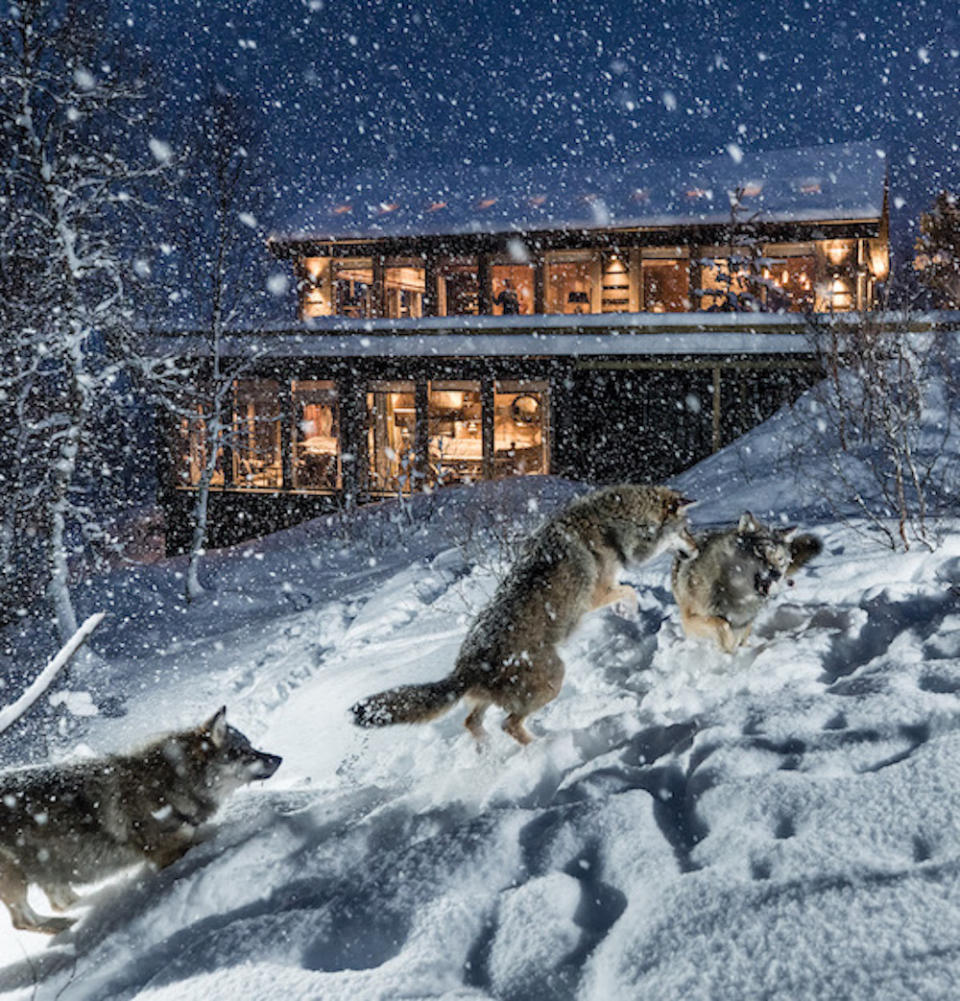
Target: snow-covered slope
<point x="779" y="824"/>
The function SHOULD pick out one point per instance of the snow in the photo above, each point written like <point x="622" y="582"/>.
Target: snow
<point x="621" y="334"/>
<point x="778" y="824"/>
<point x="842" y="181"/>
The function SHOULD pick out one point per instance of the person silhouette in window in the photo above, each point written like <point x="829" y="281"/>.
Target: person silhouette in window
<point x="507" y="299"/>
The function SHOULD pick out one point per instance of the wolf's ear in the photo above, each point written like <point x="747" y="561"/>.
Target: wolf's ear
<point x="216" y="727"/>
<point x="748" y="523"/>
<point x="787" y="534"/>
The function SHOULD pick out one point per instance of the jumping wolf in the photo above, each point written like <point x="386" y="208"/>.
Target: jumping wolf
<point x="722" y="589"/>
<point x="567" y="568"/>
<point x="76" y="823"/>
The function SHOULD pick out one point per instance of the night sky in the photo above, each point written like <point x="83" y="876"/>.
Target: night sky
<point x="335" y="86"/>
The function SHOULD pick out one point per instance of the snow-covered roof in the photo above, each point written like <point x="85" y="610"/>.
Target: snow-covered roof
<point x="821" y="183"/>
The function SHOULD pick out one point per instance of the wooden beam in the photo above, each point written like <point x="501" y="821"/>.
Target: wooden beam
<point x="421" y="435"/>
<point x="430" y="279"/>
<point x="539" y="285"/>
<point x="484" y="292"/>
<point x="487" y="438"/>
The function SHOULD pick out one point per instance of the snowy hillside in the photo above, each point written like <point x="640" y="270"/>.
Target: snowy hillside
<point x="780" y="824"/>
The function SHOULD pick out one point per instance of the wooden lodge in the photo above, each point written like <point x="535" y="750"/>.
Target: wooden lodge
<point x="614" y="325"/>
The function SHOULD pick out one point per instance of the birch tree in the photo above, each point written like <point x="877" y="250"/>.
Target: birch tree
<point x="223" y="274"/>
<point x="70" y="124"/>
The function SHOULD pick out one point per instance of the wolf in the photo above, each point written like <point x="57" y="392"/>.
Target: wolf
<point x="567" y="568"/>
<point x="722" y="589"/>
<point x="77" y="823"/>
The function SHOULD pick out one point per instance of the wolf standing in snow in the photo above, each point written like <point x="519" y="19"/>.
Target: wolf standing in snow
<point x="722" y="589"/>
<point x="76" y="823"/>
<point x="569" y="567"/>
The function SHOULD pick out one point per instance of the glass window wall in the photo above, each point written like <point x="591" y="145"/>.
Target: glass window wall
<point x="391" y="425"/>
<point x="666" y="286"/>
<point x="316" y="435"/>
<point x="454" y="432"/>
<point x="511" y="289"/>
<point x="521" y="428"/>
<point x="570" y="285"/>
<point x="256" y="438"/>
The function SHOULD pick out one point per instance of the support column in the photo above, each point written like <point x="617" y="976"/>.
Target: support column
<point x="484" y="296"/>
<point x="539" y="285"/>
<point x="287" y="423"/>
<point x="486" y="425"/>
<point x="430" y="277"/>
<point x="695" y="277"/>
<point x="633" y="279"/>
<point x="354" y="458"/>
<point x="378" y="290"/>
<point x="421" y="434"/>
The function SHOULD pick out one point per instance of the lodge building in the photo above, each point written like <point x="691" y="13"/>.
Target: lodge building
<point x="604" y="325"/>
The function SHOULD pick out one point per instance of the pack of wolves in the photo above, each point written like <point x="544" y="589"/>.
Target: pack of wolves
<point x="569" y="567"/>
<point x="77" y="823"/>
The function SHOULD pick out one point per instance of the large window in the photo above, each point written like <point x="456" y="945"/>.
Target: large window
<point x="570" y="282"/>
<point x="256" y="437"/>
<point x="511" y="289"/>
<point x="521" y="428"/>
<point x="789" y="284"/>
<point x="458" y="287"/>
<point x="391" y="423"/>
<point x="666" y="286"/>
<point x="316" y="435"/>
<point x="454" y="432"/>
<point x="404" y="287"/>
<point x="725" y="290"/>
<point x="353" y="287"/>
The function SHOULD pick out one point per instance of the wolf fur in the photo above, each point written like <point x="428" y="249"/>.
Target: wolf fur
<point x="722" y="589"/>
<point x="76" y="823"/>
<point x="569" y="567"/>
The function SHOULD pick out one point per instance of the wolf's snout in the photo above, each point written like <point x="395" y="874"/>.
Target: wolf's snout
<point x="265" y="765"/>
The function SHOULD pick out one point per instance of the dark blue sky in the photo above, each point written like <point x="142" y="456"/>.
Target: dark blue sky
<point x="338" y="86"/>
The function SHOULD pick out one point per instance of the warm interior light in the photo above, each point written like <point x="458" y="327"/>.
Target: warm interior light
<point x="837" y="251"/>
<point x="436" y="206"/>
<point x="879" y="260"/>
<point x="485" y="203"/>
<point x="341" y="209"/>
<point x="536" y="200"/>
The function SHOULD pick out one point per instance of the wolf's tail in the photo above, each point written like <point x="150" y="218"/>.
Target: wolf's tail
<point x="409" y="703"/>
<point x="803" y="548"/>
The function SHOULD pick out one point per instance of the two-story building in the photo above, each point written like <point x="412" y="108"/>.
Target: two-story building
<point x="603" y="324"/>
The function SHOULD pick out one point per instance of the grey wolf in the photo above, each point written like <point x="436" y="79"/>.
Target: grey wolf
<point x="567" y="568"/>
<point x="76" y="823"/>
<point x="722" y="589"/>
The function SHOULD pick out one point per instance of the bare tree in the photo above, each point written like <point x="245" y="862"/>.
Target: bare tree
<point x="882" y="417"/>
<point x="938" y="249"/>
<point x="68" y="120"/>
<point x="741" y="282"/>
<point x="223" y="264"/>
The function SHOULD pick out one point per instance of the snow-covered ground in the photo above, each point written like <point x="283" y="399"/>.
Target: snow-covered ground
<point x="780" y="824"/>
